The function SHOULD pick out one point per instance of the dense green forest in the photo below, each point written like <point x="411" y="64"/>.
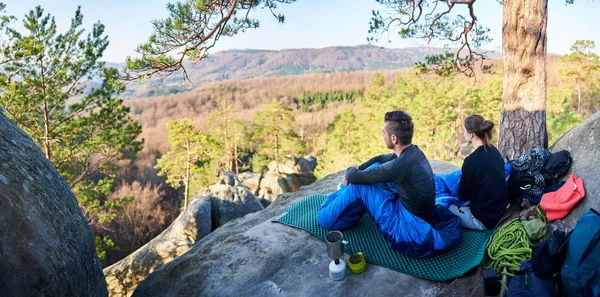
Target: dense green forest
<point x="320" y="99"/>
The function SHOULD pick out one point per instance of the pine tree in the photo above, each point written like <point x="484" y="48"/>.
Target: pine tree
<point x="220" y="122"/>
<point x="524" y="22"/>
<point x="192" y="28"/>
<point x="190" y="151"/>
<point x="274" y="135"/>
<point x="44" y="88"/>
<point x="240" y="141"/>
<point x="342" y="143"/>
<point x="561" y="116"/>
<point x="583" y="72"/>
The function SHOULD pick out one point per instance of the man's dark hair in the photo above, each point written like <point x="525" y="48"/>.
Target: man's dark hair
<point x="399" y="123"/>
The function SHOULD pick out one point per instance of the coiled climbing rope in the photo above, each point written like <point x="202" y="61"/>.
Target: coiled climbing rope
<point x="541" y="215"/>
<point x="508" y="247"/>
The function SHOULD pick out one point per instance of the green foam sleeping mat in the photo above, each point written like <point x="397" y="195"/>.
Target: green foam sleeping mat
<point x="365" y="237"/>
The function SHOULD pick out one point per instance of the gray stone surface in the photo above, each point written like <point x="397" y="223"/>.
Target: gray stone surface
<point x="230" y="202"/>
<point x="272" y="186"/>
<point x="252" y="256"/>
<point x="583" y="142"/>
<point x="190" y="226"/>
<point x="291" y="174"/>
<point x="46" y="245"/>
<point x="294" y="182"/>
<point x="228" y="178"/>
<point x="250" y="180"/>
<point x="306" y="164"/>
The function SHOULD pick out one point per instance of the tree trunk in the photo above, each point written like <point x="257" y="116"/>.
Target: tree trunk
<point x="227" y="146"/>
<point x="523" y="119"/>
<point x="46" y="139"/>
<point x="235" y="155"/>
<point x="277" y="152"/>
<point x="186" y="181"/>
<point x="578" y="95"/>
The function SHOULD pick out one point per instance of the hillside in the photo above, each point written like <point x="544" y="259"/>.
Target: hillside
<point x="244" y="64"/>
<point x="250" y="94"/>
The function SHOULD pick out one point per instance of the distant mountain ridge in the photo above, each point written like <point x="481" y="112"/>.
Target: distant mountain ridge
<point x="250" y="63"/>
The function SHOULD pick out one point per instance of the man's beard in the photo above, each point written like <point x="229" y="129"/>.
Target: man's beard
<point x="389" y="145"/>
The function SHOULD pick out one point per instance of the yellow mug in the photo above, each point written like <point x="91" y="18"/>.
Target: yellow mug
<point x="360" y="264"/>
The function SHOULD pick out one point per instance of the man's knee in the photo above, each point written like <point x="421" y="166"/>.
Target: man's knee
<point x="340" y="216"/>
<point x="325" y="218"/>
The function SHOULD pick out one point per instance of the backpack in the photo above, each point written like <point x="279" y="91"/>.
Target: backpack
<point x="580" y="273"/>
<point x="529" y="184"/>
<point x="556" y="167"/>
<point x="526" y="283"/>
<point x="549" y="255"/>
<point x="539" y="276"/>
<point x="519" y="183"/>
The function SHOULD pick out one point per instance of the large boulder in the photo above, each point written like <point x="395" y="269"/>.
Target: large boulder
<point x="251" y="181"/>
<point x="583" y="142"/>
<point x="292" y="165"/>
<point x="228" y="178"/>
<point x="230" y="202"/>
<point x="288" y="176"/>
<point x="294" y="182"/>
<point x="46" y="245"/>
<point x="224" y="201"/>
<point x="306" y="164"/>
<point x="253" y="256"/>
<point x="193" y="224"/>
<point x="272" y="186"/>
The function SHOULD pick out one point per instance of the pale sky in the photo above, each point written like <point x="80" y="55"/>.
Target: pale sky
<point x="309" y="23"/>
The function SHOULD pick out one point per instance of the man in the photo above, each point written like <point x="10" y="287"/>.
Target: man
<point x="397" y="189"/>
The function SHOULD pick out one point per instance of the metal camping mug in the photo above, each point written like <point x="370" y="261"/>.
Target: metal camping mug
<point x="335" y="244"/>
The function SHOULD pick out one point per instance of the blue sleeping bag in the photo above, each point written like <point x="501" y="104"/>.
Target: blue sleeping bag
<point x="405" y="232"/>
<point x="446" y="186"/>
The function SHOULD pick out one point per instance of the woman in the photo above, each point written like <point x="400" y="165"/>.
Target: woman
<point x="482" y="185"/>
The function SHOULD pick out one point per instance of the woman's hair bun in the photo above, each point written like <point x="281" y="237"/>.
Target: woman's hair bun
<point x="486" y="126"/>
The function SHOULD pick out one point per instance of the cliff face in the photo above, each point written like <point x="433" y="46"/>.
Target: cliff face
<point x="46" y="245"/>
<point x="583" y="142"/>
<point x="194" y="223"/>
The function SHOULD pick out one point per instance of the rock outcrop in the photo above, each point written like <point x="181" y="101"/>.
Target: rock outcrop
<point x="251" y="181"/>
<point x="230" y="200"/>
<point x="222" y="202"/>
<point x="46" y="245"/>
<point x="287" y="176"/>
<point x="583" y="142"/>
<point x="253" y="256"/>
<point x="195" y="223"/>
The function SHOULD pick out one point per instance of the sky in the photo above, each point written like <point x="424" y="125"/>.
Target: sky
<point x="309" y="24"/>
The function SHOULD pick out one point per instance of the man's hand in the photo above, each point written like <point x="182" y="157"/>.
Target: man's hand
<point x="345" y="182"/>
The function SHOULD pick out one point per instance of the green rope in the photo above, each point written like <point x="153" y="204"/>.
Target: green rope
<point x="508" y="247"/>
<point x="540" y="214"/>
